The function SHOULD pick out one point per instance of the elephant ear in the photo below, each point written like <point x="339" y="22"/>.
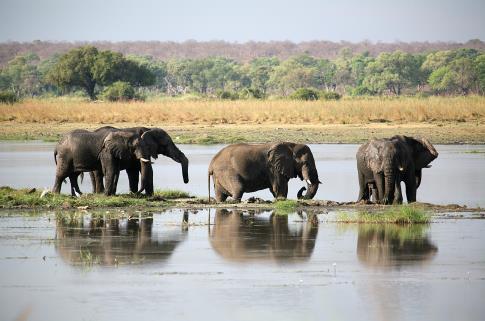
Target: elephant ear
<point x="281" y="159"/>
<point x="150" y="138"/>
<point x="117" y="145"/>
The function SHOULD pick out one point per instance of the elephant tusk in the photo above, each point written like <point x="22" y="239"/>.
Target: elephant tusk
<point x="145" y="160"/>
<point x="401" y="169"/>
<point x="308" y="182"/>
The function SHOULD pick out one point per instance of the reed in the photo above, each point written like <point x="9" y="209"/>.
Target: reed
<point x="180" y="112"/>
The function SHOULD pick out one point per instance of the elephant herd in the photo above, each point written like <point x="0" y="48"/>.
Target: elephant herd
<point x="382" y="164"/>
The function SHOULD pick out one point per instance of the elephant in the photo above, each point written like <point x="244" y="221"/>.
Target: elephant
<point x="83" y="151"/>
<point x="110" y="241"/>
<point x="158" y="142"/>
<point x="248" y="236"/>
<point x="384" y="163"/>
<point x="245" y="168"/>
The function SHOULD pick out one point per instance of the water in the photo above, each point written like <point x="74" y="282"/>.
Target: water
<point x="456" y="176"/>
<point x="244" y="265"/>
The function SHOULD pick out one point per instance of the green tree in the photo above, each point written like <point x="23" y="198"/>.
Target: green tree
<point x="260" y="70"/>
<point x="21" y="75"/>
<point x="480" y="71"/>
<point x="392" y="72"/>
<point x="86" y="68"/>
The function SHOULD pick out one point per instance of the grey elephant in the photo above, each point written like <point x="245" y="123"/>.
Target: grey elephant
<point x="158" y="143"/>
<point x="245" y="168"/>
<point x="83" y="151"/>
<point x="384" y="163"/>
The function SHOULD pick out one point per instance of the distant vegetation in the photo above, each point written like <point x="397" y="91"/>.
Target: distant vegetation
<point x="104" y="74"/>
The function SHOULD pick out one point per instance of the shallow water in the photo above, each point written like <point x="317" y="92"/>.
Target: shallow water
<point x="456" y="176"/>
<point x="243" y="265"/>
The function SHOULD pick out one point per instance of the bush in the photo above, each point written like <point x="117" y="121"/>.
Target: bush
<point x="223" y="94"/>
<point x="329" y="95"/>
<point x="361" y="91"/>
<point x="305" y="94"/>
<point x="7" y="97"/>
<point x="119" y="90"/>
<point x="248" y="93"/>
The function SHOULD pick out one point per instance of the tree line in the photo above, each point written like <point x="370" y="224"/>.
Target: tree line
<point x="113" y="75"/>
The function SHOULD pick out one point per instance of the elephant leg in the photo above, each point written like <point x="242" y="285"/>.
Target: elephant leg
<point x="410" y="187"/>
<point x="219" y="194"/>
<point x="115" y="185"/>
<point x="281" y="190"/>
<point x="237" y="195"/>
<point x="93" y="181"/>
<point x="363" y="190"/>
<point x="379" y="179"/>
<point x="133" y="178"/>
<point x="74" y="184"/>
<point x="110" y="170"/>
<point x="61" y="174"/>
<point x="98" y="177"/>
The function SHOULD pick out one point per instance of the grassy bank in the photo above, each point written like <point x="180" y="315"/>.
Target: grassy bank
<point x="403" y="214"/>
<point x="443" y="120"/>
<point x="31" y="198"/>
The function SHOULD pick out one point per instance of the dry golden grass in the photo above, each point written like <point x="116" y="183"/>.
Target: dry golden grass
<point x="179" y="112"/>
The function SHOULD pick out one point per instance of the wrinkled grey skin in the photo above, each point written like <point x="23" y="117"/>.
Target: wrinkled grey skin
<point x="383" y="163"/>
<point x="245" y="168"/>
<point x="158" y="142"/>
<point x="83" y="151"/>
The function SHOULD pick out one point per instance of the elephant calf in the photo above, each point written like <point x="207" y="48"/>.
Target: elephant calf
<point x="384" y="163"/>
<point x="245" y="168"/>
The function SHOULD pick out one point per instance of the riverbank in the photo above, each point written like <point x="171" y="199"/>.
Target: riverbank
<point x="438" y="133"/>
<point x="444" y="120"/>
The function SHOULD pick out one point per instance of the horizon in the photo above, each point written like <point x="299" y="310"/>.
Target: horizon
<point x="241" y="22"/>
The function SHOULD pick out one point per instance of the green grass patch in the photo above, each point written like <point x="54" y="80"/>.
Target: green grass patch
<point x="30" y="198"/>
<point x="285" y="206"/>
<point x="403" y="214"/>
<point x="474" y="151"/>
<point x="171" y="194"/>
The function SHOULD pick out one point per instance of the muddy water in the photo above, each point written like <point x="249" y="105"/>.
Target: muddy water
<point x="243" y="266"/>
<point x="457" y="175"/>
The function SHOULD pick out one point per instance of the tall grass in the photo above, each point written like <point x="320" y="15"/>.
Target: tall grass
<point x="172" y="111"/>
<point x="403" y="214"/>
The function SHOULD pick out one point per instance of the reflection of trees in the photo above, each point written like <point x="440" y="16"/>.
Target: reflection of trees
<point x="394" y="245"/>
<point x="113" y="241"/>
<point x="239" y="237"/>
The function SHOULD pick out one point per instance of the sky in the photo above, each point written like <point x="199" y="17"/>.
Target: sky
<point x="242" y="20"/>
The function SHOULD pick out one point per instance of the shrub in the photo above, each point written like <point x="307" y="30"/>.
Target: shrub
<point x="305" y="94"/>
<point x="223" y="94"/>
<point x="119" y="91"/>
<point x="248" y="93"/>
<point x="361" y="91"/>
<point x="7" y="97"/>
<point x="329" y="95"/>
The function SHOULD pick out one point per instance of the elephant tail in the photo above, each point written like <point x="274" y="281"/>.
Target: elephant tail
<point x="55" y="156"/>
<point x="209" y="174"/>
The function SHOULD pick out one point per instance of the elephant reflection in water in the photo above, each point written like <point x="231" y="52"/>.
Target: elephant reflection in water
<point x="114" y="241"/>
<point x="393" y="245"/>
<point x="237" y="236"/>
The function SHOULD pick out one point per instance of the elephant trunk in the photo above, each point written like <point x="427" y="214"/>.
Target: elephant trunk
<point x="175" y="154"/>
<point x="146" y="178"/>
<point x="389" y="183"/>
<point x="312" y="183"/>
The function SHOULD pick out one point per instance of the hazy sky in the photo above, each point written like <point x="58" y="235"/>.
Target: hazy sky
<point x="242" y="20"/>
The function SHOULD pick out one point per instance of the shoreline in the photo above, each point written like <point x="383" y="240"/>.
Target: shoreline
<point x="443" y="133"/>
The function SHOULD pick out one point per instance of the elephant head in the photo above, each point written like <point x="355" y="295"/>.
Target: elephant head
<point x="125" y="146"/>
<point x="292" y="160"/>
<point x="306" y="170"/>
<point x="423" y="152"/>
<point x="159" y="142"/>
